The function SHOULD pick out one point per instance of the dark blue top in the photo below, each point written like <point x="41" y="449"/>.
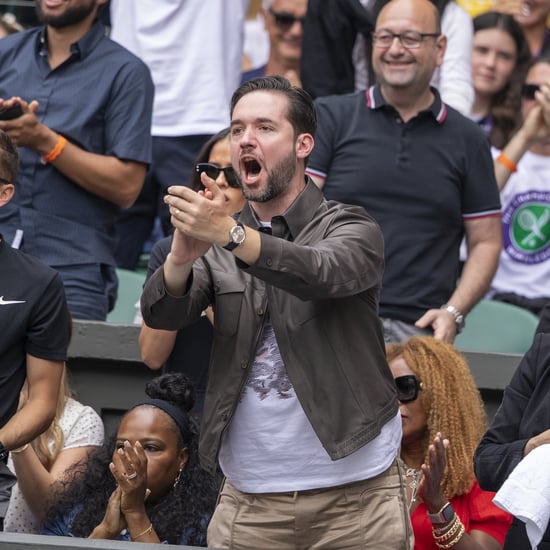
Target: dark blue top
<point x="100" y="99"/>
<point x="419" y="179"/>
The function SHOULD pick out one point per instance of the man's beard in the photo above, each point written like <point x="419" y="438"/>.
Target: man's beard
<point x="277" y="181"/>
<point x="71" y="16"/>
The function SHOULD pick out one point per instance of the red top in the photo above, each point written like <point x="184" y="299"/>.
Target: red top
<point x="476" y="511"/>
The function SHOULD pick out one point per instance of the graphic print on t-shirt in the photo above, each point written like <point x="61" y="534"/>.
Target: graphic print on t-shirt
<point x="526" y="227"/>
<point x="268" y="374"/>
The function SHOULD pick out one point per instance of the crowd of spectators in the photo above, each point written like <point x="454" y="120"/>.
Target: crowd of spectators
<point x="403" y="148"/>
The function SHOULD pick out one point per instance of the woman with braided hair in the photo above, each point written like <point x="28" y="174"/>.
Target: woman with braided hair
<point x="145" y="485"/>
<point x="443" y="421"/>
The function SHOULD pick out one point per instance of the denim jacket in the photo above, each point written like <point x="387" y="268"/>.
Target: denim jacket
<point x="319" y="275"/>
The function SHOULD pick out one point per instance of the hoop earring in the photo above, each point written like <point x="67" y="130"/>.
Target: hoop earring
<point x="177" y="480"/>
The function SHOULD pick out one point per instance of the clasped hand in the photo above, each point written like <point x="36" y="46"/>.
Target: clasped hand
<point x="131" y="491"/>
<point x="199" y="218"/>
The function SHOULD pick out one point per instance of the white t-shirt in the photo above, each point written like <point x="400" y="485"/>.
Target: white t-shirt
<point x="82" y="427"/>
<point x="193" y="49"/>
<point x="270" y="445"/>
<point x="524" y="265"/>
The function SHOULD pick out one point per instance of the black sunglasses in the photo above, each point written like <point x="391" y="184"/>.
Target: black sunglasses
<point x="213" y="171"/>
<point x="285" y="20"/>
<point x="408" y="387"/>
<point x="528" y="90"/>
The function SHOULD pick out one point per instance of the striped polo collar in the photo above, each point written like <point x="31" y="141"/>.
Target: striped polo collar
<point x="375" y="100"/>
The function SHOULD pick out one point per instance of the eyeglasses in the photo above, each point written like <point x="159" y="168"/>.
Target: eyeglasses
<point x="213" y="171"/>
<point x="409" y="39"/>
<point x="408" y="387"/>
<point x="528" y="90"/>
<point x="2" y="180"/>
<point x="285" y="20"/>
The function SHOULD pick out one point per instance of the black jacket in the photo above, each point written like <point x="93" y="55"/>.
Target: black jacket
<point x="524" y="413"/>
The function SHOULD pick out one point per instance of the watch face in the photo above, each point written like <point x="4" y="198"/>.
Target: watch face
<point x="237" y="234"/>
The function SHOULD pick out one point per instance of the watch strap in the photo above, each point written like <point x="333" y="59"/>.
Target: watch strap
<point x="445" y="515"/>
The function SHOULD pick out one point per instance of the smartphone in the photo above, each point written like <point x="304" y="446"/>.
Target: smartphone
<point x="11" y="112"/>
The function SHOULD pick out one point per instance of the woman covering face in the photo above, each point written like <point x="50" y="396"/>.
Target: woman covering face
<point x="443" y="420"/>
<point x="156" y="490"/>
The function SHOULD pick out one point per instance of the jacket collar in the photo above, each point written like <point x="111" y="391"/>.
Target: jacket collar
<point x="298" y="215"/>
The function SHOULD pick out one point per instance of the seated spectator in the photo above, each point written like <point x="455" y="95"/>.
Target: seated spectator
<point x="284" y="23"/>
<point x="174" y="349"/>
<point x="523" y="174"/>
<point x="75" y="431"/>
<point x="521" y="424"/>
<point x="500" y="56"/>
<point x="156" y="492"/>
<point x="443" y="421"/>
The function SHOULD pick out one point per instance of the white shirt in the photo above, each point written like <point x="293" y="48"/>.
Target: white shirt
<point x="193" y="49"/>
<point x="81" y="427"/>
<point x="270" y="445"/>
<point x="524" y="265"/>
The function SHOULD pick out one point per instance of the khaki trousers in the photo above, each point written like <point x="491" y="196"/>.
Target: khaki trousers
<point x="370" y="514"/>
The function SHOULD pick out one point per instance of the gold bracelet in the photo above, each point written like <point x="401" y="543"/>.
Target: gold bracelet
<point x="143" y="533"/>
<point x="20" y="449"/>
<point x="448" y="535"/>
<point x="454" y="541"/>
<point x="442" y="531"/>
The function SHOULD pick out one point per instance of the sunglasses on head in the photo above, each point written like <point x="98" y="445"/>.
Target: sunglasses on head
<point x="285" y="20"/>
<point x="213" y="171"/>
<point x="408" y="387"/>
<point x="528" y="90"/>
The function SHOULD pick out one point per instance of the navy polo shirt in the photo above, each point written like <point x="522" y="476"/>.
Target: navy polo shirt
<point x="100" y="99"/>
<point x="420" y="180"/>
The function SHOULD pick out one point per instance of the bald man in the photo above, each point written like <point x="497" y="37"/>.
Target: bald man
<point x="421" y="169"/>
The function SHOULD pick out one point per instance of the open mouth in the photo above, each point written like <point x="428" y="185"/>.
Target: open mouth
<point x="251" y="169"/>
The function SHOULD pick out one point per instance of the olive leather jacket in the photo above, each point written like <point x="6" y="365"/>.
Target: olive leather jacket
<point x="319" y="274"/>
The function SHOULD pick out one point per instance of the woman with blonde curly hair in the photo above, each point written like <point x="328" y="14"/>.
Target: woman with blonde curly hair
<point x="443" y="421"/>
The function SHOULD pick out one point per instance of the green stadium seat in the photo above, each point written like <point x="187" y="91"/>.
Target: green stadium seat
<point x="495" y="326"/>
<point x="130" y="284"/>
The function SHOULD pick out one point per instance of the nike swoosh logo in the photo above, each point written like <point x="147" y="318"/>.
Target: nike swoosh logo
<point x="8" y="302"/>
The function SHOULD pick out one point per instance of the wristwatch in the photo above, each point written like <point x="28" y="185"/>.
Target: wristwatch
<point x="237" y="235"/>
<point x="3" y="453"/>
<point x="459" y="318"/>
<point x="445" y="515"/>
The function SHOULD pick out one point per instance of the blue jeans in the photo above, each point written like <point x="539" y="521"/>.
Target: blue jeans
<point x="91" y="290"/>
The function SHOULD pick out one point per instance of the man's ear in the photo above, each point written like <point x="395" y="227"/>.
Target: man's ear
<point x="6" y="193"/>
<point x="304" y="145"/>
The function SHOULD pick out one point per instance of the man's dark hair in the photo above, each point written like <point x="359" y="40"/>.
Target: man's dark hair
<point x="300" y="114"/>
<point x="9" y="158"/>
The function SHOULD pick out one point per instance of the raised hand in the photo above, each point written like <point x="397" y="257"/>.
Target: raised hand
<point x="429" y="488"/>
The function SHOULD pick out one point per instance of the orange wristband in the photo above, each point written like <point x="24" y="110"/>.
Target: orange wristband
<point x="507" y="162"/>
<point x="57" y="149"/>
